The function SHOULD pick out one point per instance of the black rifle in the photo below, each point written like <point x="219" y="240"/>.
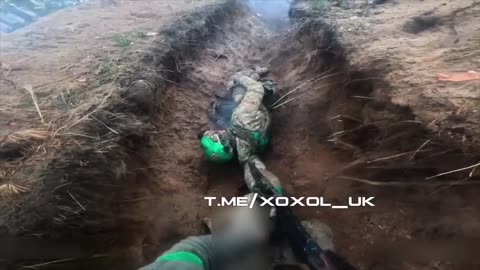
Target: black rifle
<point x="303" y="245"/>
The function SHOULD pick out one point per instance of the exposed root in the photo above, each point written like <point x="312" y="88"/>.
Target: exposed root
<point x="322" y="76"/>
<point x="393" y="156"/>
<point x="455" y="171"/>
<point x="420" y="148"/>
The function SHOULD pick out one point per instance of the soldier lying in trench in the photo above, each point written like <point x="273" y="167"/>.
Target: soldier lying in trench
<point x="244" y="123"/>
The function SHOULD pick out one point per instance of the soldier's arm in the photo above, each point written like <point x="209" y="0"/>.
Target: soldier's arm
<point x="192" y="253"/>
<point x="250" y="180"/>
<point x="247" y="229"/>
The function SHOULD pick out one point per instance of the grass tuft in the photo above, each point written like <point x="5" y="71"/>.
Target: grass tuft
<point x="121" y="40"/>
<point x="9" y="190"/>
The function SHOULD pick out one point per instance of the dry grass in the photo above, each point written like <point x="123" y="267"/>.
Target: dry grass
<point x="79" y="143"/>
<point x="9" y="190"/>
<point x="27" y="135"/>
<point x="82" y="139"/>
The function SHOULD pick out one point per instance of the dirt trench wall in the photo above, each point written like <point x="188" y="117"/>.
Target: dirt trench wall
<point x="368" y="126"/>
<point x="80" y="192"/>
<point x="391" y="102"/>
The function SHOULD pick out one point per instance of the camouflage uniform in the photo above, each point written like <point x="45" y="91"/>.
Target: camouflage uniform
<point x="248" y="117"/>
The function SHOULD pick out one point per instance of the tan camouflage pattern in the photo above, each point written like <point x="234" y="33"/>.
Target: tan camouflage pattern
<point x="255" y="74"/>
<point x="250" y="181"/>
<point x="250" y="115"/>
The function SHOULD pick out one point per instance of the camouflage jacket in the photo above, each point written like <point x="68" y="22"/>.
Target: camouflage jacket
<point x="250" y="116"/>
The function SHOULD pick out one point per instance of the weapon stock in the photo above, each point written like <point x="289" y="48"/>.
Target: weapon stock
<point x="302" y="243"/>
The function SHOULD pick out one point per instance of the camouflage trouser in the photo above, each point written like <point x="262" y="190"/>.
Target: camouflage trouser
<point x="246" y="148"/>
<point x="250" y="180"/>
<point x="250" y="115"/>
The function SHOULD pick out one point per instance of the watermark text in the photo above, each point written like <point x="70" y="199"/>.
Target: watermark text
<point x="288" y="201"/>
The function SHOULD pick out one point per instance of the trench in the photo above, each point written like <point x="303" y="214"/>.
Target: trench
<point x="171" y="199"/>
<point x="180" y="177"/>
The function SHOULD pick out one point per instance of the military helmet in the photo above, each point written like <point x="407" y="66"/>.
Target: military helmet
<point x="217" y="145"/>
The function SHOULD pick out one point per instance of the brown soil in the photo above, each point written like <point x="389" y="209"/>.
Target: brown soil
<point x="404" y="45"/>
<point x="67" y="49"/>
<point x="301" y="157"/>
<point x="179" y="178"/>
<point x="64" y="179"/>
<point x="160" y="179"/>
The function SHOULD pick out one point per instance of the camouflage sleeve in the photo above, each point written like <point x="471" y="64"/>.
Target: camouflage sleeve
<point x="245" y="230"/>
<point x="255" y="74"/>
<point x="192" y="253"/>
<point x="250" y="181"/>
<point x="244" y="150"/>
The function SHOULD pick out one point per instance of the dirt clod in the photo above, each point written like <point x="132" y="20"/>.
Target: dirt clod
<point x="140" y="94"/>
<point x="421" y="23"/>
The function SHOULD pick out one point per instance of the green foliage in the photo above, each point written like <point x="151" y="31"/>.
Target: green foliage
<point x="121" y="40"/>
<point x="108" y="67"/>
<point x="72" y="97"/>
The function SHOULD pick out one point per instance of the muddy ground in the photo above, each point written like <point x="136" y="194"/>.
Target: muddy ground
<point x="325" y="142"/>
